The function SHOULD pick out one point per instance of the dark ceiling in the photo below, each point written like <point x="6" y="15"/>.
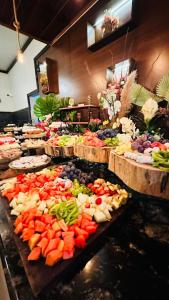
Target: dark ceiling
<point x="41" y="19"/>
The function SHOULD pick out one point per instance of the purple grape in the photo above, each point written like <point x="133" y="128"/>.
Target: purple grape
<point x="135" y="145"/>
<point x="141" y="149"/>
<point x="147" y="144"/>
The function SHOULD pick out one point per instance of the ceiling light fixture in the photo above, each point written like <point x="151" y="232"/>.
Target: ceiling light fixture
<point x="17" y="27"/>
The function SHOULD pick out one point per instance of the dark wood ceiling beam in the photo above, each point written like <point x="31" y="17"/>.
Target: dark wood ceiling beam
<point x="42" y="19"/>
<point x="75" y="20"/>
<point x="55" y="17"/>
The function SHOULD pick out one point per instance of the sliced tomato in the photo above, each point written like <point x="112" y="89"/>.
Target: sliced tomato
<point x="80" y="231"/>
<point x="80" y="241"/>
<point x="86" y="216"/>
<point x="58" y="233"/>
<point x="55" y="226"/>
<point x="10" y="196"/>
<point x="53" y="257"/>
<point x="52" y="246"/>
<point x="52" y="193"/>
<point x="44" y="234"/>
<point x="85" y="223"/>
<point x="18" y="220"/>
<point x="91" y="229"/>
<point x="39" y="226"/>
<point x="90" y="185"/>
<point x="60" y="245"/>
<point x="63" y="225"/>
<point x="27" y="234"/>
<point x="19" y="228"/>
<point x="44" y="195"/>
<point x="69" y="243"/>
<point x="23" y="187"/>
<point x="68" y="233"/>
<point x="50" y="234"/>
<point x="46" y="218"/>
<point x="43" y="244"/>
<point x="41" y="178"/>
<point x="29" y="218"/>
<point x="34" y="240"/>
<point x="31" y="224"/>
<point x="79" y="220"/>
<point x="35" y="254"/>
<point x="68" y="254"/>
<point x="100" y="191"/>
<point x="72" y="227"/>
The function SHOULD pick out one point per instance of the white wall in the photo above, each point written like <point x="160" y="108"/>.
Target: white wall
<point x="7" y="102"/>
<point x="22" y="78"/>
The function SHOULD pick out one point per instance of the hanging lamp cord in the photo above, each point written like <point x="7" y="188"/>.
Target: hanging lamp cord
<point x="16" y="24"/>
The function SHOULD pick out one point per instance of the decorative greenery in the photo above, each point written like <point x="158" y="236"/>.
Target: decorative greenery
<point x="72" y="116"/>
<point x="50" y="105"/>
<point x="139" y="95"/>
<point x="162" y="89"/>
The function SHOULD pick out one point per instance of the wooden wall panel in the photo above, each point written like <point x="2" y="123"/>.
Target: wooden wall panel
<point x="82" y="72"/>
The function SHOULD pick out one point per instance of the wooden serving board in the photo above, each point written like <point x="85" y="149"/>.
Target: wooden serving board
<point x="142" y="178"/>
<point x="39" y="275"/>
<point x="93" y="154"/>
<point x="67" y="151"/>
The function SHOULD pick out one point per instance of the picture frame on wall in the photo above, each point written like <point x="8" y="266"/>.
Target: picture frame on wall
<point x="112" y="20"/>
<point x="32" y="97"/>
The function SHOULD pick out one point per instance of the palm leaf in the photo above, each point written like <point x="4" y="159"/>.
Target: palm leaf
<point x="49" y="105"/>
<point x="139" y="94"/>
<point x="125" y="94"/>
<point x="162" y="89"/>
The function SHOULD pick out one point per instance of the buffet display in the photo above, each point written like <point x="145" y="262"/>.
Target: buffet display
<point x="56" y="217"/>
<point x="56" y="214"/>
<point x="61" y="209"/>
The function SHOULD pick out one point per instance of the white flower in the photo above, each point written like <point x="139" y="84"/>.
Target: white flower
<point x="149" y="109"/>
<point x="117" y="106"/>
<point x="128" y="126"/>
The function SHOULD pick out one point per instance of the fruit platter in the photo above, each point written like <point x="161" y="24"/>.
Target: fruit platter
<point x="28" y="163"/>
<point x="55" y="218"/>
<point x="61" y="145"/>
<point x="147" y="163"/>
<point x="96" y="146"/>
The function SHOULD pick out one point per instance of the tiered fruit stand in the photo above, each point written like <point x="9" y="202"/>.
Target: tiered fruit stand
<point x="92" y="154"/>
<point x="142" y="178"/>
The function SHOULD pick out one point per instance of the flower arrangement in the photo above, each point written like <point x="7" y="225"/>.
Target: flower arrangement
<point x="94" y="124"/>
<point x="110" y="98"/>
<point x="128" y="127"/>
<point x="110" y="23"/>
<point x="149" y="109"/>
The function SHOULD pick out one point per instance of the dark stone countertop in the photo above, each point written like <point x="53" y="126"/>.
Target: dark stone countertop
<point x="131" y="263"/>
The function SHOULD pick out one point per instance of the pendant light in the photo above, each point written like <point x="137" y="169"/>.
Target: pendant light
<point x="17" y="27"/>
